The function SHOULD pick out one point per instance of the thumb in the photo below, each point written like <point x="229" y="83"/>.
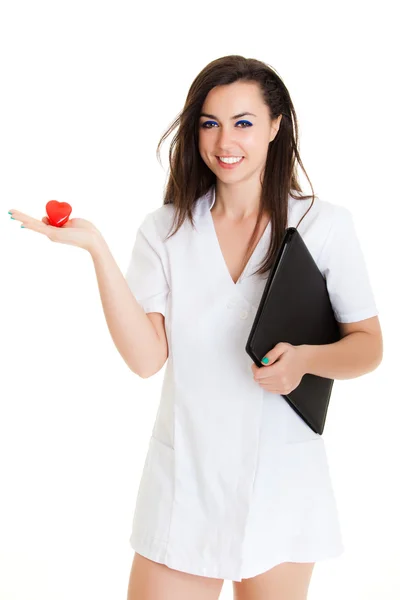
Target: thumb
<point x="272" y="356"/>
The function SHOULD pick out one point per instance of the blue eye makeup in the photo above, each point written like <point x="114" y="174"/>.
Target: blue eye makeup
<point x="247" y="123"/>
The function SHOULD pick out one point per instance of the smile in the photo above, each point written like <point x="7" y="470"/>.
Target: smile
<point x="231" y="163"/>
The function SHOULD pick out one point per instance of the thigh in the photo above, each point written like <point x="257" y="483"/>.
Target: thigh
<point x="150" y="580"/>
<point x="286" y="581"/>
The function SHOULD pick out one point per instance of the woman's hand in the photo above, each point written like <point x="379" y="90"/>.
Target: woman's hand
<point x="284" y="375"/>
<point x="76" y="232"/>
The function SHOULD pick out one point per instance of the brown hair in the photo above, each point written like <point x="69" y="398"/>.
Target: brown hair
<point x="191" y="178"/>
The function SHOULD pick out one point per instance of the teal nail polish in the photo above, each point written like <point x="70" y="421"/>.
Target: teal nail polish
<point x="12" y="218"/>
<point x="9" y="212"/>
<point x="265" y="360"/>
<point x="22" y="225"/>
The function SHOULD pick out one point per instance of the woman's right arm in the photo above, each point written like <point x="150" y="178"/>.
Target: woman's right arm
<point x="131" y="329"/>
<point x="140" y="338"/>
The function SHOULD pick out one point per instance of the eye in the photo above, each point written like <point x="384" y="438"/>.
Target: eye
<point x="206" y="123"/>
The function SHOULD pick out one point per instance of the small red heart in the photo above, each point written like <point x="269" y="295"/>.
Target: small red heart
<point x="58" y="212"/>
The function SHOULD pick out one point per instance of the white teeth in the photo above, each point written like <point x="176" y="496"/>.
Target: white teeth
<point x="231" y="159"/>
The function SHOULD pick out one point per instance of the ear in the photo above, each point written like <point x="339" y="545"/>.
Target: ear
<point x="275" y="126"/>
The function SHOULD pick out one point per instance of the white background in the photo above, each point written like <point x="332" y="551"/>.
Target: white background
<point x="87" y="89"/>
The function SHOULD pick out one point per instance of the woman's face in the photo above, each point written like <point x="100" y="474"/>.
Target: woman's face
<point x="247" y="135"/>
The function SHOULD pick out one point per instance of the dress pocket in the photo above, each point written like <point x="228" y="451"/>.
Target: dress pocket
<point x="156" y="492"/>
<point x="297" y="429"/>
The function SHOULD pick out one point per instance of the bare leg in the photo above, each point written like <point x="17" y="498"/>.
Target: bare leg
<point x="150" y="580"/>
<point x="286" y="581"/>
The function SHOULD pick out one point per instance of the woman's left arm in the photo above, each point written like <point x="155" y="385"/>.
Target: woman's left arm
<point x="360" y="351"/>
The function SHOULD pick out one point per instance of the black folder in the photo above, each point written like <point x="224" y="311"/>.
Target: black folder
<point x="295" y="307"/>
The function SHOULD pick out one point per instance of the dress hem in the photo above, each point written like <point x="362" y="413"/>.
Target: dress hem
<point x="157" y="550"/>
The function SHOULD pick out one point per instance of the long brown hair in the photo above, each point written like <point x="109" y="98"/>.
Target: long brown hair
<point x="191" y="178"/>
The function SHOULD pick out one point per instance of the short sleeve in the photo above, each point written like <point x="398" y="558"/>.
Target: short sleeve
<point x="146" y="273"/>
<point x="343" y="265"/>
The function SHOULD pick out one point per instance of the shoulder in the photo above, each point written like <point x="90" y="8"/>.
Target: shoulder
<point x="323" y="218"/>
<point x="327" y="228"/>
<point x="158" y="222"/>
<point x="335" y="220"/>
<point x="336" y="233"/>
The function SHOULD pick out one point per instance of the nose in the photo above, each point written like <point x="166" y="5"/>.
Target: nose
<point x="226" y="139"/>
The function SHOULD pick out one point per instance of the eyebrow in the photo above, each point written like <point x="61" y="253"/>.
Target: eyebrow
<point x="234" y="116"/>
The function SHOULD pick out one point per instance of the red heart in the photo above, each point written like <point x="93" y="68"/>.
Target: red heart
<point x="58" y="212"/>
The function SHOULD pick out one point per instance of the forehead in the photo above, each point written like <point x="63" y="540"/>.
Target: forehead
<point x="227" y="100"/>
<point x="237" y="92"/>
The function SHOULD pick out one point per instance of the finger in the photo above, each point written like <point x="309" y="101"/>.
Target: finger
<point x="38" y="226"/>
<point x="264" y="382"/>
<point x="264" y="375"/>
<point x="27" y="221"/>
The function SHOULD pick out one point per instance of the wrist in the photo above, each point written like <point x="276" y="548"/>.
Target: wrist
<point x="97" y="245"/>
<point x="304" y="353"/>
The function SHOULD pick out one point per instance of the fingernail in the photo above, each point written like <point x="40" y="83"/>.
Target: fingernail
<point x="12" y="218"/>
<point x="9" y="212"/>
<point x="22" y="225"/>
<point x="265" y="360"/>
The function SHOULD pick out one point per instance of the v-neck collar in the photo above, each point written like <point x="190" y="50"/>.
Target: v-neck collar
<point x="257" y="250"/>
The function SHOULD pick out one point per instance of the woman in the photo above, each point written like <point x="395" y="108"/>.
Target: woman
<point x="235" y="484"/>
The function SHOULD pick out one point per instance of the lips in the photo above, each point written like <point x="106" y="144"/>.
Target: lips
<point x="229" y="165"/>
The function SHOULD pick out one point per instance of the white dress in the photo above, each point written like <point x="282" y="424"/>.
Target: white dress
<point x="234" y="481"/>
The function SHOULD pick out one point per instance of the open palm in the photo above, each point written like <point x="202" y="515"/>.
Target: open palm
<point x="76" y="232"/>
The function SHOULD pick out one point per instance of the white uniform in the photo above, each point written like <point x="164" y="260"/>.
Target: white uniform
<point x="234" y="480"/>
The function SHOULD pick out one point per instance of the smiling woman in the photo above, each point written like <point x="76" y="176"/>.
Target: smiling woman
<point x="235" y="485"/>
<point x="226" y="143"/>
<point x="228" y="454"/>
